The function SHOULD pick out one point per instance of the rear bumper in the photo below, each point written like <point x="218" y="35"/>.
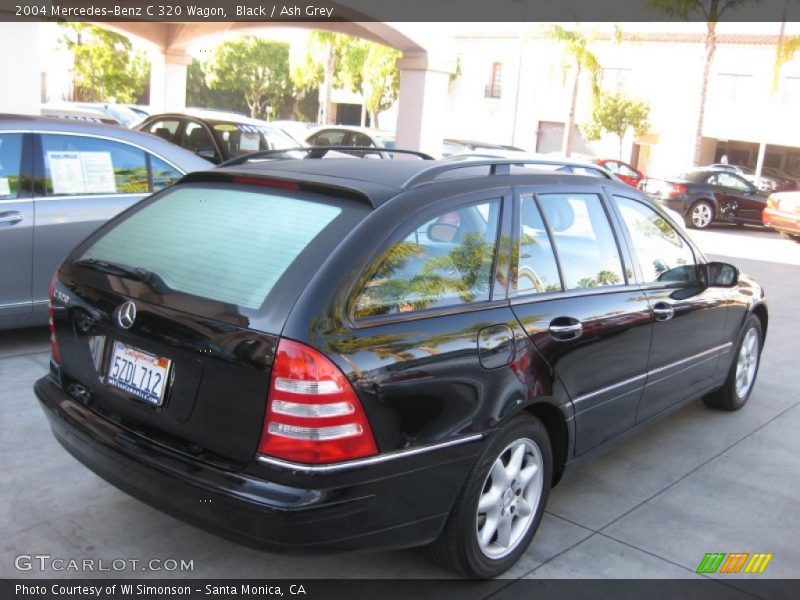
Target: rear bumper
<point x="781" y="221"/>
<point x="676" y="204"/>
<point x="395" y="505"/>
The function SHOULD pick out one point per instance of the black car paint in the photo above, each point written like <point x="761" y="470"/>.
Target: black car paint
<point x="730" y="205"/>
<point x="427" y="381"/>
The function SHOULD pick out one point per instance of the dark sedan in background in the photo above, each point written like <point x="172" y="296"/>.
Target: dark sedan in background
<point x="60" y="179"/>
<point x="216" y="135"/>
<point x="704" y="197"/>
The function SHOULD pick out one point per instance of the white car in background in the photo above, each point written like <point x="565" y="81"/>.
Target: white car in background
<point x="299" y="130"/>
<point x="344" y="135"/>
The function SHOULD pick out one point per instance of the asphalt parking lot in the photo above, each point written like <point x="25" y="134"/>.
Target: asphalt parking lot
<point x="700" y="481"/>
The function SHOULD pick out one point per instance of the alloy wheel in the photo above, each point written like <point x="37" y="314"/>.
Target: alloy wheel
<point x="509" y="498"/>
<point x="747" y="363"/>
<point x="701" y="215"/>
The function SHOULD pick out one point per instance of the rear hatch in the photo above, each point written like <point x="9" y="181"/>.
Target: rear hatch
<point x="174" y="309"/>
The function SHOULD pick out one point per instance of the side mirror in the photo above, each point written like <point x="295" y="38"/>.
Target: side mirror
<point x="442" y="232"/>
<point x="722" y="274"/>
<point x="208" y="154"/>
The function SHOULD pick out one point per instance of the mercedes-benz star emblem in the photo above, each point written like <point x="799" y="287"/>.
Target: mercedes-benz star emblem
<point x="126" y="315"/>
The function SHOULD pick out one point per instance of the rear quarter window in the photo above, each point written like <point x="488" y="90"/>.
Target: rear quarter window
<point x="446" y="260"/>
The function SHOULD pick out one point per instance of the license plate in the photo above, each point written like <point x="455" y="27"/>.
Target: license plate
<point x="139" y="373"/>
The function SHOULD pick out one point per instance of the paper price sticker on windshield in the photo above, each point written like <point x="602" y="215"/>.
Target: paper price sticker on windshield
<point x="66" y="172"/>
<point x="98" y="173"/>
<point x="5" y="189"/>
<point x="250" y="142"/>
<point x="82" y="173"/>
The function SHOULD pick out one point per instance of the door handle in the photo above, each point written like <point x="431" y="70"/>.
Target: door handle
<point x="663" y="311"/>
<point x="11" y="218"/>
<point x="564" y="329"/>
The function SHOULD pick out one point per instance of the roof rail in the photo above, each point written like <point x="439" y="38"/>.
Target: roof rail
<point x="497" y="166"/>
<point x="318" y="152"/>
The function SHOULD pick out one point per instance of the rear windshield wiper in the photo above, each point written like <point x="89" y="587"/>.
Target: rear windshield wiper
<point x="152" y="280"/>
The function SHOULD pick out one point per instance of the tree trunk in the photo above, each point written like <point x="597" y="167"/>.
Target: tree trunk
<point x="566" y="144"/>
<point x="776" y="69"/>
<point x="373" y="116"/>
<point x="364" y="113"/>
<point x="620" y="146"/>
<point x="327" y="87"/>
<point x="711" y="47"/>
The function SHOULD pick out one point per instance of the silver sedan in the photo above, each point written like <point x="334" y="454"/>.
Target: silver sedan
<point x="60" y="179"/>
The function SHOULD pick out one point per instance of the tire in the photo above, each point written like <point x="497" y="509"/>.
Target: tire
<point x="738" y="386"/>
<point x="459" y="548"/>
<point x="789" y="236"/>
<point x="700" y="215"/>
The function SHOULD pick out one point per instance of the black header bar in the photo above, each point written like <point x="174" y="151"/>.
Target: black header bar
<point x="383" y="10"/>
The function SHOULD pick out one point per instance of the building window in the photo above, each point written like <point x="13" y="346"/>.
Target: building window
<point x="733" y="88"/>
<point x="493" y="88"/>
<point x="791" y="90"/>
<point x="615" y="80"/>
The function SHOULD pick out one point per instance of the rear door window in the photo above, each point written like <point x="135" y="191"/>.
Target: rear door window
<point x="10" y="164"/>
<point x="165" y="129"/>
<point x="585" y="243"/>
<point x="729" y="180"/>
<point x="330" y="137"/>
<point x="446" y="260"/>
<point x="222" y="244"/>
<point x="196" y="137"/>
<point x="359" y="139"/>
<point x="81" y="166"/>
<point x="627" y="171"/>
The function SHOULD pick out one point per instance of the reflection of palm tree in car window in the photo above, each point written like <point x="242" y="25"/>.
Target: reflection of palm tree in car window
<point x="443" y="262"/>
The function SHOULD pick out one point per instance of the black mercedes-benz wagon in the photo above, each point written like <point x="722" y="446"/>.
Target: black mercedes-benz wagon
<point x="355" y="354"/>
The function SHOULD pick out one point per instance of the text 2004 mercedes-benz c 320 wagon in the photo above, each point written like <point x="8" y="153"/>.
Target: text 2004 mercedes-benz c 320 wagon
<point x="380" y="354"/>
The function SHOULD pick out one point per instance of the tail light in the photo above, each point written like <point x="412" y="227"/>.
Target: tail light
<point x="313" y="413"/>
<point x="676" y="190"/>
<point x="55" y="351"/>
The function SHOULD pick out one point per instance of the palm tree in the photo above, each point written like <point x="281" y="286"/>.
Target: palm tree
<point x="318" y="68"/>
<point x="712" y="11"/>
<point x="577" y="53"/>
<point x="785" y="49"/>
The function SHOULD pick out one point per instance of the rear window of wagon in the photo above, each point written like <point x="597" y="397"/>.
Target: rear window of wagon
<point x="224" y="244"/>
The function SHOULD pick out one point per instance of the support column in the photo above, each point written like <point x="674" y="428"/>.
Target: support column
<point x="20" y="68"/>
<point x="168" y="81"/>
<point x="423" y="103"/>
<point x="762" y="148"/>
